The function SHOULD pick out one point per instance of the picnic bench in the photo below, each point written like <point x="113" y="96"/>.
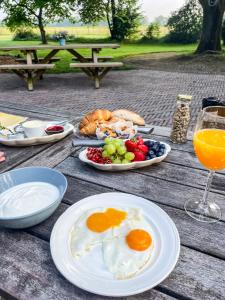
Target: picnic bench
<point x="26" y="267"/>
<point x="32" y="67"/>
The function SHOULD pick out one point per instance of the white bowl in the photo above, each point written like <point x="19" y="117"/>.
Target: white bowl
<point x="28" y="175"/>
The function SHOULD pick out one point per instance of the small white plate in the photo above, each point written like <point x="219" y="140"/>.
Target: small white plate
<point x="38" y="140"/>
<point x="90" y="273"/>
<point x="124" y="167"/>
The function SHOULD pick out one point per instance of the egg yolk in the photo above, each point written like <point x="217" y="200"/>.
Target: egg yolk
<point x="98" y="222"/>
<point x="101" y="221"/>
<point x="139" y="240"/>
<point x="115" y="216"/>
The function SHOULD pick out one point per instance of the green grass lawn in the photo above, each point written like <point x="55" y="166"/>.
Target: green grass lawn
<point x="125" y="50"/>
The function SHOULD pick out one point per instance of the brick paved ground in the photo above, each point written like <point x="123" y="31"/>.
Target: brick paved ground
<point x="151" y="93"/>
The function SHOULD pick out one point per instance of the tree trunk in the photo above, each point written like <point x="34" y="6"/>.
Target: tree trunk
<point x="114" y="25"/>
<point x="108" y="17"/>
<point x="210" y="40"/>
<point x="42" y="29"/>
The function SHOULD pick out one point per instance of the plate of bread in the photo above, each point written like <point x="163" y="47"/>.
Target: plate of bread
<point x="102" y="123"/>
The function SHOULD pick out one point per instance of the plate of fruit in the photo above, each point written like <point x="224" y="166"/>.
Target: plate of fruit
<point x="121" y="155"/>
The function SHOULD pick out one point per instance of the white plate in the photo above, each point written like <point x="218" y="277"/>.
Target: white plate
<point x="38" y="140"/>
<point x="90" y="273"/>
<point x="124" y="167"/>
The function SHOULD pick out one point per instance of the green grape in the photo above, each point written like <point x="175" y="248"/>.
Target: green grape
<point x="125" y="161"/>
<point x="110" y="149"/>
<point x="107" y="140"/>
<point x="116" y="161"/>
<point x="105" y="154"/>
<point x="122" y="150"/>
<point x="114" y="142"/>
<point x="129" y="156"/>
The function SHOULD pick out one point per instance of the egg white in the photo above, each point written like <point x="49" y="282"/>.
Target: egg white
<point x="82" y="239"/>
<point x="122" y="261"/>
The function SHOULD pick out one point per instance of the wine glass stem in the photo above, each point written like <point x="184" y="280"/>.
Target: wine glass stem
<point x="207" y="188"/>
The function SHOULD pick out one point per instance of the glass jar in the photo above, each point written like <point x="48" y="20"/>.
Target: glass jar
<point x="181" y="119"/>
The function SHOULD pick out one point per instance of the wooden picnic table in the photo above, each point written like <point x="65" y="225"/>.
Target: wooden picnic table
<point x="26" y="267"/>
<point x="32" y="67"/>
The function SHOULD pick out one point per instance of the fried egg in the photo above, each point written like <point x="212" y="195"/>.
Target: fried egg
<point x="95" y="226"/>
<point x="127" y="255"/>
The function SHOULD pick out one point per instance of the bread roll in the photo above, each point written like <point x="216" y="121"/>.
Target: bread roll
<point x="96" y="115"/>
<point x="129" y="116"/>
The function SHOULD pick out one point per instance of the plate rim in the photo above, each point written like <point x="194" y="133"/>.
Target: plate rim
<point x="37" y="140"/>
<point x="120" y="294"/>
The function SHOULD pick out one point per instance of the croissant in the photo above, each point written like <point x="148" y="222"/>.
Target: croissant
<point x="96" y="115"/>
<point x="89" y="129"/>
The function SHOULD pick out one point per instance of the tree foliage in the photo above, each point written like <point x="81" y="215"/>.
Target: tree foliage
<point x="186" y="23"/>
<point x="153" y="32"/>
<point x="35" y="13"/>
<point x="123" y="16"/>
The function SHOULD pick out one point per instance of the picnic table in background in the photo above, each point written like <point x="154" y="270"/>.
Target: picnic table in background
<point x="27" y="270"/>
<point x="32" y="67"/>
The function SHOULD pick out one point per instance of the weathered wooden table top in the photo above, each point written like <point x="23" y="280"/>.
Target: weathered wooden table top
<point x="58" y="47"/>
<point x="26" y="268"/>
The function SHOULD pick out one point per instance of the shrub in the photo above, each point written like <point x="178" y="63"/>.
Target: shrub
<point x="153" y="32"/>
<point x="25" y="35"/>
<point x="185" y="24"/>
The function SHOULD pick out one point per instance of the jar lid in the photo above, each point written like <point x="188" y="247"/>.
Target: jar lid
<point x="185" y="98"/>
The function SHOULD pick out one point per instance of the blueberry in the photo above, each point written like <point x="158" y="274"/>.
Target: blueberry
<point x="155" y="148"/>
<point x="162" y="146"/>
<point x="151" y="152"/>
<point x="151" y="143"/>
<point x="148" y="157"/>
<point x="160" y="153"/>
<point x="147" y="143"/>
<point x="153" y="156"/>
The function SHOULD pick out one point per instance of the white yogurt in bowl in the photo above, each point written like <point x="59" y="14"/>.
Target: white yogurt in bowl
<point x="30" y="195"/>
<point x="27" y="198"/>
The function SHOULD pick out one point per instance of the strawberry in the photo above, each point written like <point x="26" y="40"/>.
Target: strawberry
<point x="139" y="156"/>
<point x="140" y="141"/>
<point x="143" y="148"/>
<point x="131" y="145"/>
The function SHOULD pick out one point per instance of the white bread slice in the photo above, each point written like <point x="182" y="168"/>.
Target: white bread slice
<point x="129" y="116"/>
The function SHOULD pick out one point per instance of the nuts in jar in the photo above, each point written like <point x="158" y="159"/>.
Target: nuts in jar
<point x="181" y="119"/>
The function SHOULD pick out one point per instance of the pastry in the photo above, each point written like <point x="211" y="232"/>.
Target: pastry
<point x="89" y="129"/>
<point x="128" y="116"/>
<point x="96" y="115"/>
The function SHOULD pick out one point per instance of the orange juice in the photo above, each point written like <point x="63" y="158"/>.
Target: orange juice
<point x="209" y="147"/>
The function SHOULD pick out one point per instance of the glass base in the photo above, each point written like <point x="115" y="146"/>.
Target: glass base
<point x="208" y="213"/>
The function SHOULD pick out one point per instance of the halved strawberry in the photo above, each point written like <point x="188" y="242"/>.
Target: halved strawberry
<point x="139" y="156"/>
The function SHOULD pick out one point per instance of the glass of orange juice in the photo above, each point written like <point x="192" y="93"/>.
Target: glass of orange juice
<point x="209" y="145"/>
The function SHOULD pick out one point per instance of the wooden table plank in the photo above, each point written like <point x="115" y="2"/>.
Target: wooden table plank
<point x="208" y="238"/>
<point x="23" y="108"/>
<point x="179" y="173"/>
<point x="155" y="189"/>
<point x="30" y="273"/>
<point x="58" y="47"/>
